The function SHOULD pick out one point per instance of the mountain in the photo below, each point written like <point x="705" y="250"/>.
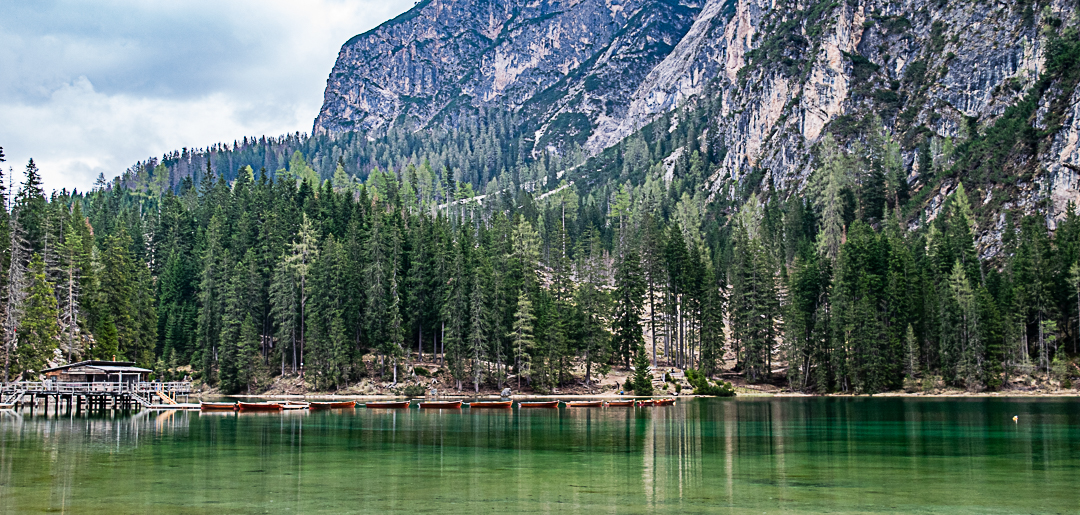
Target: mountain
<point x="567" y="65"/>
<point x="983" y="92"/>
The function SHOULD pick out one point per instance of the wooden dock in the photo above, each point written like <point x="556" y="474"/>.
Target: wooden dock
<point x="96" y="396"/>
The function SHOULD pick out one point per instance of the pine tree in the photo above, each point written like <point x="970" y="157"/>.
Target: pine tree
<point x="328" y="345"/>
<point x="302" y="252"/>
<point x="521" y="335"/>
<point x="478" y="324"/>
<point x="73" y="254"/>
<point x="827" y="187"/>
<point x="212" y="284"/>
<point x="968" y="346"/>
<point x="712" y="325"/>
<point x="232" y="373"/>
<point x="31" y="209"/>
<point x="592" y="302"/>
<point x="285" y="306"/>
<point x="642" y="377"/>
<point x="911" y="354"/>
<point x="629" y="291"/>
<point x="39" y="331"/>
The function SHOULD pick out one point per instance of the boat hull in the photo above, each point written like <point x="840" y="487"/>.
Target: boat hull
<point x="258" y="406"/>
<point x="332" y="405"/>
<point x="491" y="405"/>
<point x="440" y="405"/>
<point x="217" y="406"/>
<point x="657" y="402"/>
<point x="620" y="404"/>
<point x="540" y="404"/>
<point x="585" y="404"/>
<point x="387" y="405"/>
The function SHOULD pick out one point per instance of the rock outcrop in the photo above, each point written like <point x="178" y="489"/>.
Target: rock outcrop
<point x="592" y="72"/>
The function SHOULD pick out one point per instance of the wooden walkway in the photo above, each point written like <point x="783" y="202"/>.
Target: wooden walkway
<point x="97" y="396"/>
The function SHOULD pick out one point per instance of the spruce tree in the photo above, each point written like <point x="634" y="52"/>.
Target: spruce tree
<point x="521" y="335"/>
<point x="642" y="382"/>
<point x="629" y="290"/>
<point x="39" y="331"/>
<point x="827" y="187"/>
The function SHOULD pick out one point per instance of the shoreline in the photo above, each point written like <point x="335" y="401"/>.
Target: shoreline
<point x="609" y="396"/>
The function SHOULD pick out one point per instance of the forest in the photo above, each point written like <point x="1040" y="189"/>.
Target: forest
<point x="554" y="276"/>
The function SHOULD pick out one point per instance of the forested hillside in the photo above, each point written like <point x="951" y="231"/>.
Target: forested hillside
<point x="245" y="280"/>
<point x="832" y="197"/>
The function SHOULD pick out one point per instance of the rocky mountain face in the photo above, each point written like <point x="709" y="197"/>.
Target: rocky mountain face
<point x="945" y="78"/>
<point x="562" y="57"/>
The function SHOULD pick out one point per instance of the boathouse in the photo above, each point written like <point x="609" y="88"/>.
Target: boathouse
<point x="93" y="371"/>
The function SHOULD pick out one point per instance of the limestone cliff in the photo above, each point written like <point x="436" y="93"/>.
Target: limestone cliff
<point x="937" y="74"/>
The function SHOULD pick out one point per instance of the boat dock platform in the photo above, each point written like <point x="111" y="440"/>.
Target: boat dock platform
<point x="94" y="396"/>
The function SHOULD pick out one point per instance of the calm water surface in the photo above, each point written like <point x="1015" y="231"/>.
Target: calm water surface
<point x="707" y="455"/>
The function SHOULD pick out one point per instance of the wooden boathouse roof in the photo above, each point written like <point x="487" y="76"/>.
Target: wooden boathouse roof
<point x="100" y="367"/>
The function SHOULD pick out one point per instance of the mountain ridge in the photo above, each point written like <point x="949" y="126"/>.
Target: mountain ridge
<point x="784" y="73"/>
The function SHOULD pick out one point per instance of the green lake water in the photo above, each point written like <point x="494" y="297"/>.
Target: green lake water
<point x="752" y="455"/>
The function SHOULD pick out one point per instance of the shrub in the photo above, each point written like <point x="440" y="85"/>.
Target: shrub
<point x="413" y="390"/>
<point x="422" y="372"/>
<point x="702" y="386"/>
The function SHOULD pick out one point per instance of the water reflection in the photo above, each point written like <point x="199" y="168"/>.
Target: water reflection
<point x="861" y="455"/>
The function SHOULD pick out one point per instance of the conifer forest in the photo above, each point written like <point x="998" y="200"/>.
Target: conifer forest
<point x="347" y="258"/>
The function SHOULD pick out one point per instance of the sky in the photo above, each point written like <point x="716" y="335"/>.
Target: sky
<point x="90" y="88"/>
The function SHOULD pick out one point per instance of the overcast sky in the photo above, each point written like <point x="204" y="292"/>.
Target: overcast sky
<point x="92" y="87"/>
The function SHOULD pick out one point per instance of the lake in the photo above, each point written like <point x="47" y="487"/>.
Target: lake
<point x="745" y="455"/>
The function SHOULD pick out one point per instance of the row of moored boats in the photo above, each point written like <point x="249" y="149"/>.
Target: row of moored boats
<point x="293" y="405"/>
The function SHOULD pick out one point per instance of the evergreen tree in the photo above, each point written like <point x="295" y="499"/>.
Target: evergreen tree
<point x="31" y="209"/>
<point x="642" y="383"/>
<point x="302" y="252"/>
<point x="629" y="291"/>
<point x="827" y="186"/>
<point x="521" y="335"/>
<point x="38" y="329"/>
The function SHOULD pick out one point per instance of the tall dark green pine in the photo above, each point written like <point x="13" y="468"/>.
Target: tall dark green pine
<point x="232" y="372"/>
<point x="712" y="325"/>
<point x="30" y="209"/>
<point x="328" y="351"/>
<point x="212" y="284"/>
<point x="38" y="328"/>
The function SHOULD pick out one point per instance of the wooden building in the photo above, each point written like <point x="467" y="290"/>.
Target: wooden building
<point x="98" y="372"/>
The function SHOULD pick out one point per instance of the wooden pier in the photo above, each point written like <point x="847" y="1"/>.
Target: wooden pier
<point x="96" y="396"/>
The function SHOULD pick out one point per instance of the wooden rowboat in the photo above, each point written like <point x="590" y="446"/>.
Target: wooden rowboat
<point x="620" y="404"/>
<point x="440" y="405"/>
<point x="644" y="403"/>
<point x="665" y="402"/>
<point x="539" y="404"/>
<point x="387" y="404"/>
<point x="490" y="404"/>
<point x="259" y="406"/>
<point x="217" y="406"/>
<point x="585" y="404"/>
<point x="291" y="405"/>
<point x="332" y="405"/>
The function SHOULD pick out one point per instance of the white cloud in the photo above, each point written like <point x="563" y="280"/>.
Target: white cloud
<point x="88" y="90"/>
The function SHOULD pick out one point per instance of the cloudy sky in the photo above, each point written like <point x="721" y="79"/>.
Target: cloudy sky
<point x="92" y="87"/>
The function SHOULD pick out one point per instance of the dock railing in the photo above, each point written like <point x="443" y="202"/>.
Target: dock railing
<point x="170" y="388"/>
